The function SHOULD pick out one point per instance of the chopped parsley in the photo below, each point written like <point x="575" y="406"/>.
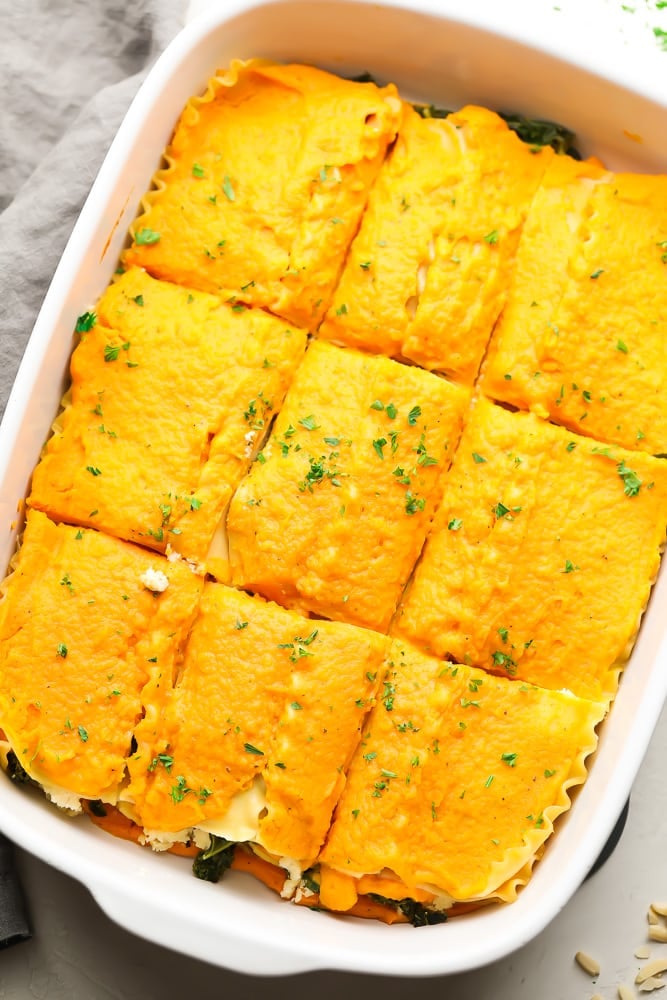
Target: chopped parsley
<point x="414" y="415"/>
<point x="631" y="481"/>
<point x="165" y="759"/>
<point x="596" y="274"/>
<point x="423" y="458"/>
<point x="83" y="734"/>
<point x="309" y="423"/>
<point x="179" y="790"/>
<point x="197" y="170"/>
<point x="85" y="322"/>
<point x="455" y="524"/>
<point x="504" y="660"/>
<point x="249" y="748"/>
<point x="61" y="650"/>
<point x="317" y="473"/>
<point x="146" y="237"/>
<point x="509" y="759"/>
<point x="492" y="237"/>
<point x="388" y="695"/>
<point x="111" y="352"/>
<point x="378" y="445"/>
<point x="228" y="190"/>
<point x="661" y="37"/>
<point x="413" y="503"/>
<point x="478" y="459"/>
<point x="299" y="646"/>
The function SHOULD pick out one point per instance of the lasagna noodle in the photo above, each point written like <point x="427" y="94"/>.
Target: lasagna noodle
<point x="332" y="517"/>
<point x="426" y="277"/>
<point x="268" y="175"/>
<point x="84" y="640"/>
<point x="456" y="784"/>
<point x="265" y="699"/>
<point x="528" y="571"/>
<point x="582" y="337"/>
<point x="157" y="435"/>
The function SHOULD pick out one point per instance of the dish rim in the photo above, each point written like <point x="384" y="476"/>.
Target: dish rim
<point x="309" y="952"/>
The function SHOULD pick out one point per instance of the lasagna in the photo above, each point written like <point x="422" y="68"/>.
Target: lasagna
<point x="155" y="436"/>
<point x="342" y="538"/>
<point x="332" y="517"/>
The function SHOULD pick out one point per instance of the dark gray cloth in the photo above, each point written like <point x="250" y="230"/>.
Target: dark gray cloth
<point x="68" y="72"/>
<point x="14" y="926"/>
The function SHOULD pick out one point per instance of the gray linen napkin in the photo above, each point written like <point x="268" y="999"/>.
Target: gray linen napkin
<point x="68" y="71"/>
<point x="14" y="925"/>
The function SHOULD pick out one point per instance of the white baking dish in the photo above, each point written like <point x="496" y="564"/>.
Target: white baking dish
<point x="449" y="60"/>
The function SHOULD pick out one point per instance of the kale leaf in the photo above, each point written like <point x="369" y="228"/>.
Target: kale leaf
<point x="212" y="863"/>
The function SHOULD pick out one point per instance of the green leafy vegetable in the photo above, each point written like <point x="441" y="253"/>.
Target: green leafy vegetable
<point x="212" y="863"/>
<point x="538" y="132"/>
<point x="535" y="132"/>
<point x="416" y="913"/>
<point x="16" y="772"/>
<point x="430" y="111"/>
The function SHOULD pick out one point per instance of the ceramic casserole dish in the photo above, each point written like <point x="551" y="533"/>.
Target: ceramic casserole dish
<point x="432" y="56"/>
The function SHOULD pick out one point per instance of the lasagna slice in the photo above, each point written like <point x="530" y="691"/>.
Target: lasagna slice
<point x="455" y="786"/>
<point x="266" y="180"/>
<point x="89" y="628"/>
<point x="427" y="276"/>
<point x="255" y="737"/>
<point x="332" y="517"/>
<point x="582" y="339"/>
<point x="156" y="434"/>
<point x="542" y="556"/>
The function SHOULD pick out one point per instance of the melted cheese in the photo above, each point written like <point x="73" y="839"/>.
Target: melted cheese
<point x="333" y="519"/>
<point x="286" y="230"/>
<point x="582" y="340"/>
<point x="458" y="786"/>
<point x="154" y="439"/>
<point x="99" y="647"/>
<point x="541" y="555"/>
<point x="428" y="273"/>
<point x="253" y="739"/>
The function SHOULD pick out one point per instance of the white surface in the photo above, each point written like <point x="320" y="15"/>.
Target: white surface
<point x="611" y="919"/>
